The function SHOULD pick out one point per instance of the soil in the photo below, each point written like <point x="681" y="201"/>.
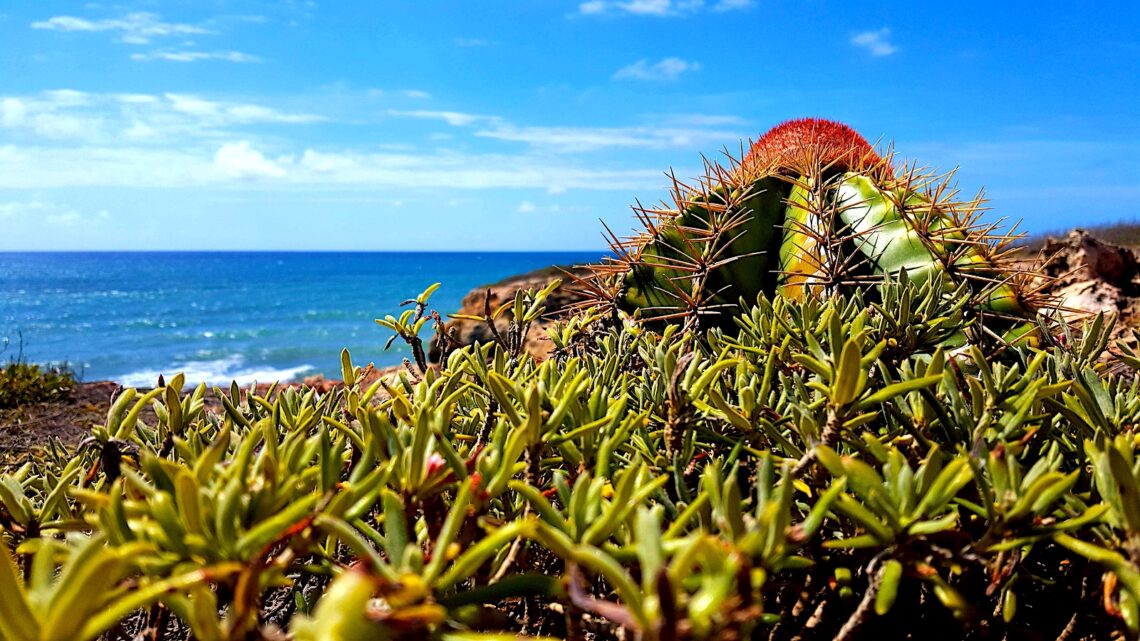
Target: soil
<point x="31" y="426"/>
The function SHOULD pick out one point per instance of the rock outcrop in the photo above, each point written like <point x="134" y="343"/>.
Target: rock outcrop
<point x="1094" y="276"/>
<point x="468" y="332"/>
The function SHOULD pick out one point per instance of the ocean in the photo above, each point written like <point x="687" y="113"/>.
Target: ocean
<point x="218" y="317"/>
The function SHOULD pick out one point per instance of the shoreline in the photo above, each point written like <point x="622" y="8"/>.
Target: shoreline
<point x="1087" y="274"/>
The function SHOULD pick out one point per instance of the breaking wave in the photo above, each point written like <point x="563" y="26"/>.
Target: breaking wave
<point x="216" y="372"/>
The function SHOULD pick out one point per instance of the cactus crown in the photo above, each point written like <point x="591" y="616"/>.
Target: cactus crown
<point x="799" y="143"/>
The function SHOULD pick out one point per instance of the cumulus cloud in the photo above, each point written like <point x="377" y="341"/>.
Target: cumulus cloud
<point x="666" y="69"/>
<point x="876" y="42"/>
<point x="240" y="160"/>
<point x="526" y="207"/>
<point x="133" y="28"/>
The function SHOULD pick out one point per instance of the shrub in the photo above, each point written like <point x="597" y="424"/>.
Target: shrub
<point x="828" y="469"/>
<point x="23" y="383"/>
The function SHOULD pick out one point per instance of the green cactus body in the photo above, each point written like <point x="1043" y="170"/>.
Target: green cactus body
<point x="661" y="277"/>
<point x="892" y="241"/>
<point x="880" y="232"/>
<point x="763" y="204"/>
<point x="811" y="209"/>
<point x="800" y="249"/>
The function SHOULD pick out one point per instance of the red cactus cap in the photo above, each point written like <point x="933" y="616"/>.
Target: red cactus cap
<point x="795" y="143"/>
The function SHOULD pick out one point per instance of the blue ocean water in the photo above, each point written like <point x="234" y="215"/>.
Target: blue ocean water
<point x="229" y="316"/>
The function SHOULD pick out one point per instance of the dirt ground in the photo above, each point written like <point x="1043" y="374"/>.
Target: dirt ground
<point x="30" y="426"/>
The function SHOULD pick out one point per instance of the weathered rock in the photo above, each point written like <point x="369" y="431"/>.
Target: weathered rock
<point x="468" y="332"/>
<point x="1094" y="276"/>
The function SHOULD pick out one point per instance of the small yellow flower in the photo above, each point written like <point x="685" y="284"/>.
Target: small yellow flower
<point x="608" y="490"/>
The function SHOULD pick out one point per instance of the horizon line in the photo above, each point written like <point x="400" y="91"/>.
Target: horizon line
<point x="303" y="251"/>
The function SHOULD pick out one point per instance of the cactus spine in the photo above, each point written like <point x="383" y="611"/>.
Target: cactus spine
<point x="812" y="209"/>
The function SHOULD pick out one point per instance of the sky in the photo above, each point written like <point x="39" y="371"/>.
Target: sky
<point x="519" y="125"/>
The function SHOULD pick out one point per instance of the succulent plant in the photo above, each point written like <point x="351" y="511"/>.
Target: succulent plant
<point x="811" y="209"/>
<point x="828" y="472"/>
<point x="831" y="470"/>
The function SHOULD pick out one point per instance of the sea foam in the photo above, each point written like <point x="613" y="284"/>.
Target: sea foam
<point x="216" y="372"/>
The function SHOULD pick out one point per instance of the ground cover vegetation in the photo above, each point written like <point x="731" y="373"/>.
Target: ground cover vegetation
<point x="858" y="443"/>
<point x="24" y="383"/>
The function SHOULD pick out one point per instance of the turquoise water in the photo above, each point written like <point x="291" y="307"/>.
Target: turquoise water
<point x="229" y="316"/>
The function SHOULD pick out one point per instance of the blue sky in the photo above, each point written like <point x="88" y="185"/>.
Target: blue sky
<point x="412" y="125"/>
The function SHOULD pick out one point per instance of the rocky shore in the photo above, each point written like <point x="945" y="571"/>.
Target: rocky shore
<point x="1087" y="276"/>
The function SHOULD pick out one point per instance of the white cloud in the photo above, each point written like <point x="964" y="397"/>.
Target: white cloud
<point x="453" y="118"/>
<point x="12" y="112"/>
<point x="528" y="207"/>
<point x="135" y="98"/>
<point x="325" y="163"/>
<point x="28" y="115"/>
<point x="877" y="42"/>
<point x="196" y="56"/>
<point x="67" y="138"/>
<point x="192" y="105"/>
<point x="239" y="160"/>
<point x="68" y="97"/>
<point x="257" y="113"/>
<point x="76" y="116"/>
<point x="161" y="167"/>
<point x="667" y="135"/>
<point x="415" y="94"/>
<point x="140" y="131"/>
<point x="648" y="7"/>
<point x="64" y="219"/>
<point x="471" y="42"/>
<point x="13" y="209"/>
<point x="660" y="8"/>
<point x="49" y="213"/>
<point x="133" y="28"/>
<point x="666" y="69"/>
<point x="228" y="112"/>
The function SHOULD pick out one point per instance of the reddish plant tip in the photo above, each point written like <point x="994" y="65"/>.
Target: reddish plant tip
<point x="795" y="143"/>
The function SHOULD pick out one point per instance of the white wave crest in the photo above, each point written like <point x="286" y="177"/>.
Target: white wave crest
<point x="216" y="372"/>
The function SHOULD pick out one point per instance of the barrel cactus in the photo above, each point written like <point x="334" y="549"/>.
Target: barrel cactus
<point x="811" y="209"/>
